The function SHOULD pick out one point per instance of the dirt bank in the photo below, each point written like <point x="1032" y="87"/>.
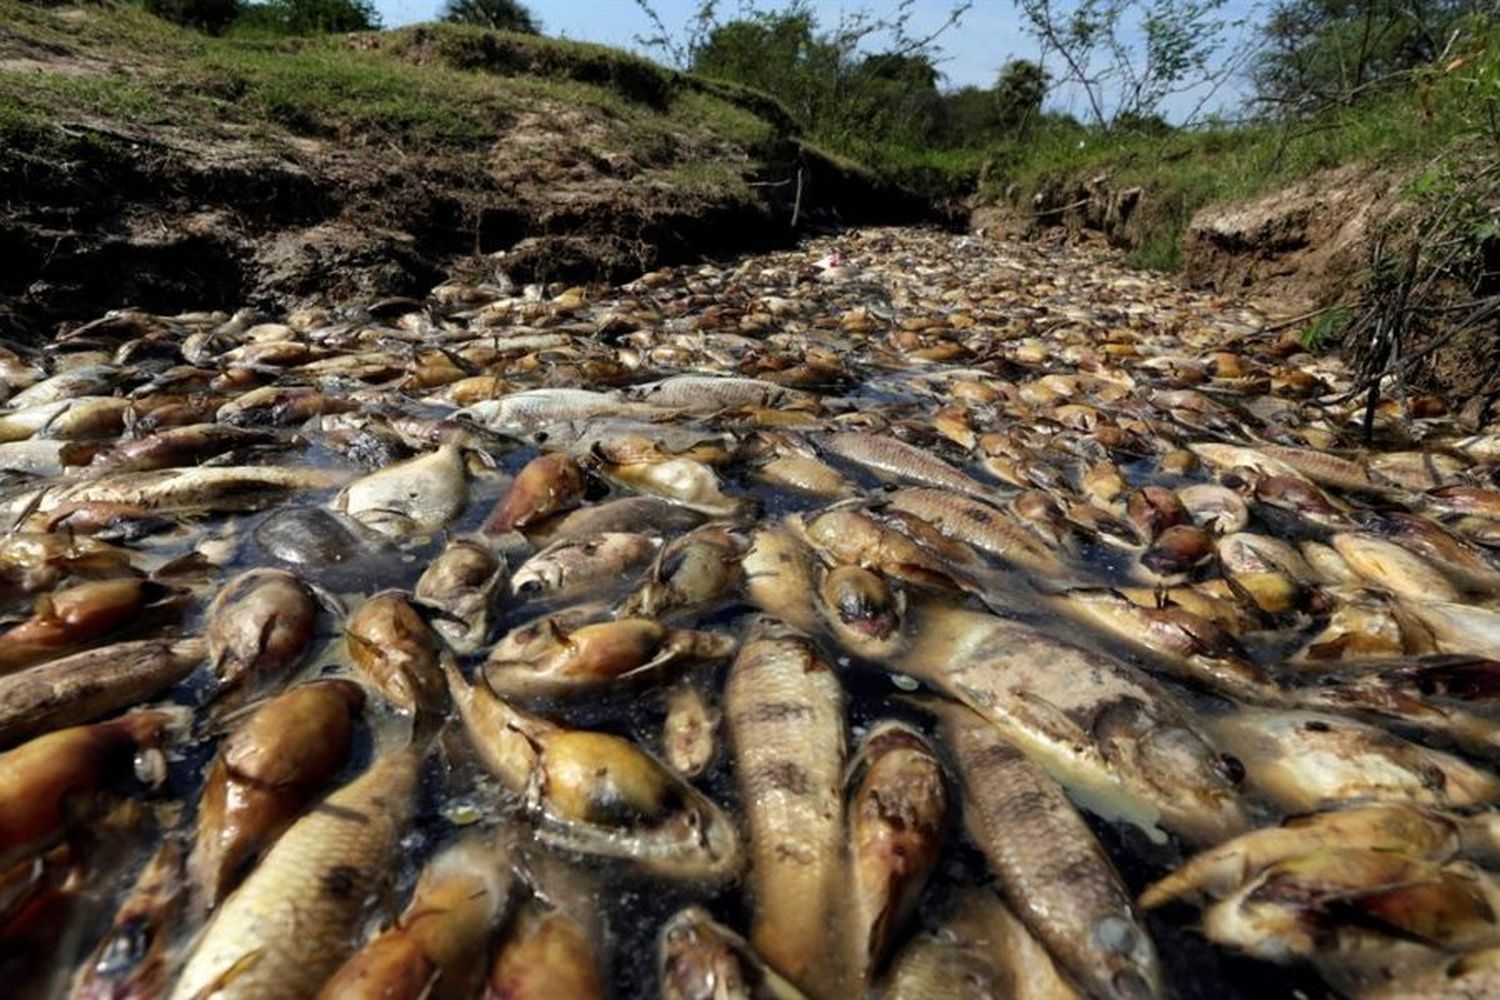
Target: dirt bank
<point x="199" y="173"/>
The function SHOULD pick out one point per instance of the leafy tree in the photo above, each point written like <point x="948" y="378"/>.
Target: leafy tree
<point x="212" y="16"/>
<point x="1019" y="92"/>
<point x="1320" y="52"/>
<point x="309" y="17"/>
<point x="501" y="15"/>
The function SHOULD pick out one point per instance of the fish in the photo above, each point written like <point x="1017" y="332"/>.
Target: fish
<point x="979" y="951"/>
<point x="395" y="649"/>
<point x="267" y="771"/>
<point x="689" y="738"/>
<point x="75" y="617"/>
<point x="701" y="959"/>
<point x="291" y="923"/>
<point x="48" y="780"/>
<point x="548" y="484"/>
<point x="1121" y="743"/>
<point x="545" y="658"/>
<point x="783" y="715"/>
<point x="575" y="565"/>
<point x="597" y="793"/>
<point x="464" y="583"/>
<point x="260" y="626"/>
<point x="436" y="948"/>
<point x="893" y="458"/>
<point x="1052" y="871"/>
<point x="418" y="496"/>
<point x="97" y="682"/>
<point x="897" y="817"/>
<point x="1303" y="760"/>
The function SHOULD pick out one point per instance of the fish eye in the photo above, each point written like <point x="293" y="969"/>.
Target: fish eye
<point x="1234" y="770"/>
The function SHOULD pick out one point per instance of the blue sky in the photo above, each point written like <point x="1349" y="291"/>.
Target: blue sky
<point x="989" y="34"/>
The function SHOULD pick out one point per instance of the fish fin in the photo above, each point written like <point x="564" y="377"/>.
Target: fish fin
<point x="1053" y="721"/>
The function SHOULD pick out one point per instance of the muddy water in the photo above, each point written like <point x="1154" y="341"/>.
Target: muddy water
<point x="1036" y="373"/>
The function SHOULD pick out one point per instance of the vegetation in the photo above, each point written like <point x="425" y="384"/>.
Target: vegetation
<point x="500" y="15"/>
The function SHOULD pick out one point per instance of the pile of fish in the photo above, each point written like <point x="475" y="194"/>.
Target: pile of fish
<point x="904" y="615"/>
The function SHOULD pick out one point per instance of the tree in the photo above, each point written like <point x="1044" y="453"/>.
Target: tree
<point x="501" y="15"/>
<point x="310" y="17"/>
<point x="1321" y="52"/>
<point x="1128" y="56"/>
<point x="1019" y="92"/>
<point x="212" y="16"/>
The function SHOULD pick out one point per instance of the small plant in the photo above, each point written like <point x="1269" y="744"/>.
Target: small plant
<point x="1325" y="330"/>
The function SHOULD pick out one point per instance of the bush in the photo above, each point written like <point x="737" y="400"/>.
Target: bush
<point x="206" y="15"/>
<point x="499" y="15"/>
<point x="306" y="17"/>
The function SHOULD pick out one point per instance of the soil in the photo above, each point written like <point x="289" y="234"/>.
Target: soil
<point x="105" y="215"/>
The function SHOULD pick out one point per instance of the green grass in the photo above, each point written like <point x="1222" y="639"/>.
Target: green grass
<point x="322" y="88"/>
<point x="1185" y="171"/>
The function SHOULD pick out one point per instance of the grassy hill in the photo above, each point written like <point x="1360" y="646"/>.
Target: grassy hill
<point x="143" y="163"/>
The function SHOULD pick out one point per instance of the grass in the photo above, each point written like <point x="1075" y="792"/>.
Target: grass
<point x="1185" y="171"/>
<point x="430" y="88"/>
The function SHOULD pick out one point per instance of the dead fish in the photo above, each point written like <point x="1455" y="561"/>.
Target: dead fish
<point x="689" y="732"/>
<point x="260" y="626"/>
<point x="985" y="528"/>
<point x="48" y="779"/>
<point x="779" y="577"/>
<point x="574" y="565"/>
<point x="597" y="793"/>
<point x="134" y="958"/>
<point x="1120" y="743"/>
<point x="546" y="952"/>
<point x="894" y="458"/>
<point x="1375" y="909"/>
<point x="706" y="393"/>
<point x="898" y="818"/>
<point x="980" y="951"/>
<point x="1392" y="827"/>
<point x="199" y="488"/>
<point x="82" y="687"/>
<point x="1388" y="565"/>
<point x="700" y="959"/>
<point x="464" y="583"/>
<point x="681" y="480"/>
<point x="399" y="653"/>
<point x="545" y="658"/>
<point x="691" y="573"/>
<point x="783" y="709"/>
<point x="805" y="475"/>
<point x="416" y="496"/>
<point x="1188" y="645"/>
<point x="537" y="408"/>
<point x="265" y="773"/>
<point x="69" y="619"/>
<point x="1307" y="760"/>
<point x="437" y="946"/>
<point x="548" y="484"/>
<point x="176" y="446"/>
<point x="293" y="920"/>
<point x="1052" y="871"/>
<point x="647" y="515"/>
<point x="1215" y="507"/>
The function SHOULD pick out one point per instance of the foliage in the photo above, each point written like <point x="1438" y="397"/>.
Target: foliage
<point x="1319" y="52"/>
<point x="212" y="16"/>
<point x="1127" y="57"/>
<point x="307" y="17"/>
<point x="1324" y="331"/>
<point x="500" y="15"/>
